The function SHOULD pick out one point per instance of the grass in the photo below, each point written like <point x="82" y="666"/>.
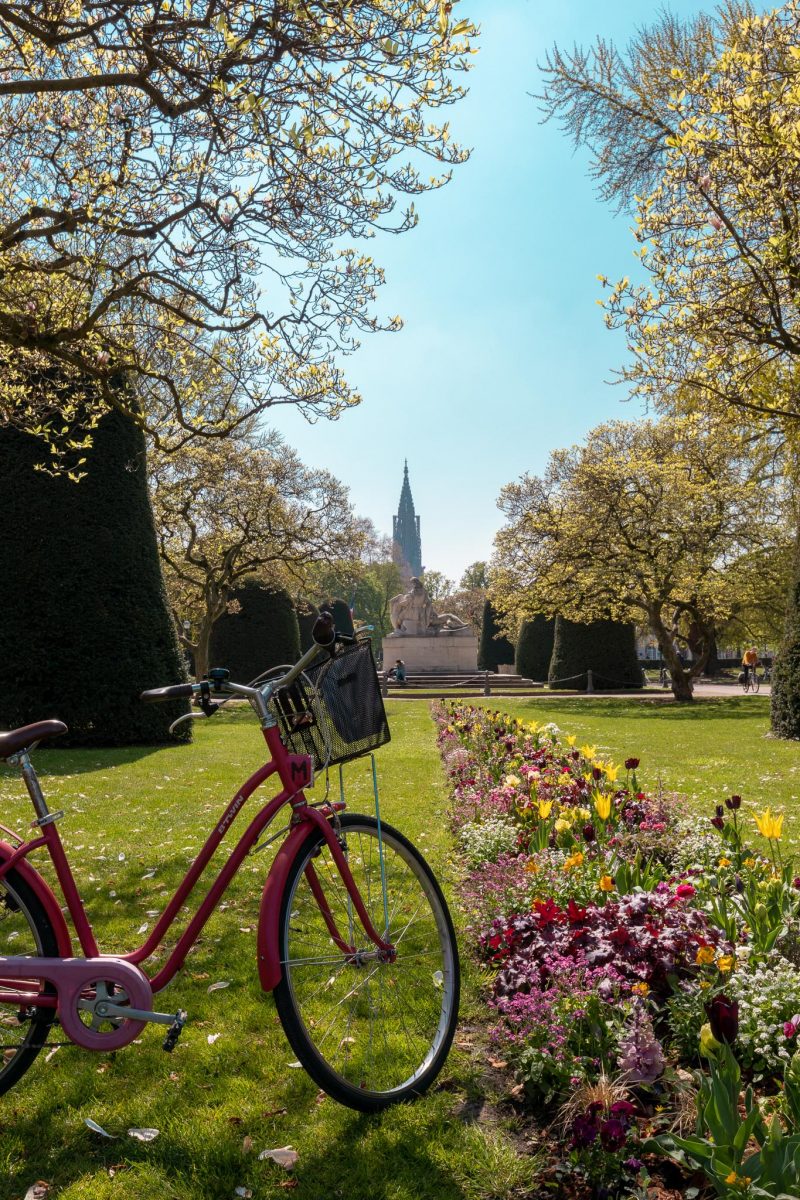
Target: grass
<point x="135" y="819"/>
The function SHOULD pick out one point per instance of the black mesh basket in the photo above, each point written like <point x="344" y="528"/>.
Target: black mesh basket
<point x="338" y="717"/>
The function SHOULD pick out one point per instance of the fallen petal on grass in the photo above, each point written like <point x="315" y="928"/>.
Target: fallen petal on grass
<point x="38" y="1190"/>
<point x="284" y="1156"/>
<point x="95" y="1128"/>
<point x="144" y="1135"/>
<point x="216" y="987"/>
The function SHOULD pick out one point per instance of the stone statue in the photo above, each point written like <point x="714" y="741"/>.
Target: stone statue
<point x="413" y="614"/>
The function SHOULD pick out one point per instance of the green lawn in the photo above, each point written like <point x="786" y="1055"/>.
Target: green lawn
<point x="135" y="818"/>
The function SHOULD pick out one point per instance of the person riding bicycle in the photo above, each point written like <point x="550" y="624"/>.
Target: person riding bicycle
<point x="749" y="662"/>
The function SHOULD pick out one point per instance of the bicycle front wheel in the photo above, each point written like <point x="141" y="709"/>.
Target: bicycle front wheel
<point x="25" y="929"/>
<point x="755" y="682"/>
<point x="369" y="1032"/>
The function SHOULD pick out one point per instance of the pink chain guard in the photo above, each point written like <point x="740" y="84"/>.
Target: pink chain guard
<point x="71" y="977"/>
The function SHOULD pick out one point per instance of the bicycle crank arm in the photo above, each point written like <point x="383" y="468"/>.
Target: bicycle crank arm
<point x="120" y="1012"/>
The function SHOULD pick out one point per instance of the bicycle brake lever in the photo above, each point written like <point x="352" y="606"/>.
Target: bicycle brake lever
<point x="190" y="716"/>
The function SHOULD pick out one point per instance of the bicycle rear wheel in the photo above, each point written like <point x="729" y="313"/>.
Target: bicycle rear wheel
<point x="370" y="1033"/>
<point x="25" y="929"/>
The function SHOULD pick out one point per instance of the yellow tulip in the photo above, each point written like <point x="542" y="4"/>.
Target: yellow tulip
<point x="588" y="751"/>
<point x="544" y="808"/>
<point x="611" y="772"/>
<point x="561" y="826"/>
<point x="583" y="813"/>
<point x="726" y="962"/>
<point x="602" y="806"/>
<point x="571" y="740"/>
<point x="770" y="825"/>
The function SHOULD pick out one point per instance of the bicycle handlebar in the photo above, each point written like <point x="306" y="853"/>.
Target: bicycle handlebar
<point x="325" y="638"/>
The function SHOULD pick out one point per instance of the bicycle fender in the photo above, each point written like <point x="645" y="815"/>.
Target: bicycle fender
<point x="269" y="954"/>
<point x="44" y="893"/>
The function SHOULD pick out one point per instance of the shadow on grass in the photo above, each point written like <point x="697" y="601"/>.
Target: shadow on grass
<point x="52" y="761"/>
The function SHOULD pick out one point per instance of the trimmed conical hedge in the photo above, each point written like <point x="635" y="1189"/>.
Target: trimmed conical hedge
<point x="493" y="651"/>
<point x="606" y="648"/>
<point x="307" y="614"/>
<point x="785" y="702"/>
<point x="535" y="647"/>
<point x="264" y="633"/>
<point x="86" y="625"/>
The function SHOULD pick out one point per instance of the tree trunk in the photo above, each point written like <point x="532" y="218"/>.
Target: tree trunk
<point x="681" y="678"/>
<point x="201" y="663"/>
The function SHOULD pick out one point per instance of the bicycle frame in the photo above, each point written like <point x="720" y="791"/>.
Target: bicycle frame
<point x="70" y="975"/>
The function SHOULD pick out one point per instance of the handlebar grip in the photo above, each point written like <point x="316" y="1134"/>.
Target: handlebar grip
<point x="178" y="691"/>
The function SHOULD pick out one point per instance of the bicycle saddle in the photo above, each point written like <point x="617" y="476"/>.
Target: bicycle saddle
<point x="27" y="735"/>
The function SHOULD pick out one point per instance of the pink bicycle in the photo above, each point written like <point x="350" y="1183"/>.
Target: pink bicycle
<point x="354" y="936"/>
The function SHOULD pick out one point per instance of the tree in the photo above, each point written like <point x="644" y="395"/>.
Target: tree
<point x="179" y="186"/>
<point x="259" y="631"/>
<point x="494" y="648"/>
<point x="696" y="130"/>
<point x="606" y="648"/>
<point x="535" y="647"/>
<point x="475" y="576"/>
<point x="370" y="582"/>
<point x="228" y="509"/>
<point x="86" y="625"/>
<point x="438" y="586"/>
<point x="646" y="522"/>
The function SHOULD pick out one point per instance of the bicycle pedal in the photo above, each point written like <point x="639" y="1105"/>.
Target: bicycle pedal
<point x="174" y="1031"/>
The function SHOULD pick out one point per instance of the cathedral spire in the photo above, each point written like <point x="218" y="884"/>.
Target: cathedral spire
<point x="405" y="531"/>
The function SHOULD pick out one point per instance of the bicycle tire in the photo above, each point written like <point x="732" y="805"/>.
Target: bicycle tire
<point x="383" y="1038"/>
<point x="25" y="928"/>
<point x="755" y="683"/>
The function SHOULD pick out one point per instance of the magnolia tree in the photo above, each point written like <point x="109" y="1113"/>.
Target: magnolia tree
<point x="227" y="509"/>
<point x="648" y="522"/>
<point x="181" y="190"/>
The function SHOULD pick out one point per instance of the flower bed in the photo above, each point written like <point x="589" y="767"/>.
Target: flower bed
<point x="638" y="964"/>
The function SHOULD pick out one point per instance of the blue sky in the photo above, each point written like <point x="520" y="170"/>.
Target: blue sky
<point x="504" y="355"/>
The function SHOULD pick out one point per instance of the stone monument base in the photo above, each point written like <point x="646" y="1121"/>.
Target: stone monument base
<point x="445" y="653"/>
